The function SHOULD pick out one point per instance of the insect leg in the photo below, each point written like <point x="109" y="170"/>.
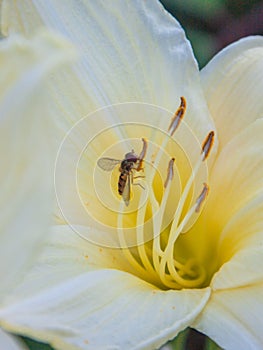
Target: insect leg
<point x="137" y="177"/>
<point x="138" y="184"/>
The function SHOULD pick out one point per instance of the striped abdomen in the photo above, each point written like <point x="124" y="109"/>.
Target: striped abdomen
<point x="122" y="181"/>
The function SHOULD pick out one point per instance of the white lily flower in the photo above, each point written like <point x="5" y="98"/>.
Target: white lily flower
<point x="173" y="268"/>
<point x="26" y="156"/>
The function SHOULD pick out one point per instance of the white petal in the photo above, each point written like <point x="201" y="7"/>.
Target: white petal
<point x="243" y="269"/>
<point x="237" y="176"/>
<point x="233" y="84"/>
<point x="140" y="57"/>
<point x="9" y="342"/>
<point x="105" y="309"/>
<point x="25" y="151"/>
<point x="65" y="255"/>
<point x="241" y="248"/>
<point x="233" y="318"/>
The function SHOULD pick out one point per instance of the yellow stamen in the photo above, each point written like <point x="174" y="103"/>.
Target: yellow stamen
<point x="158" y="218"/>
<point x="156" y="260"/>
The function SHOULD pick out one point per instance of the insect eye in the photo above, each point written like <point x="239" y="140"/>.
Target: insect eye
<point x="131" y="157"/>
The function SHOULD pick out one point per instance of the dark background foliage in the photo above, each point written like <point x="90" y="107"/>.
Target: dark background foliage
<point x="210" y="25"/>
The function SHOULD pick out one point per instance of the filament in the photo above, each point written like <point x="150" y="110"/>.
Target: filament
<point x="155" y="260"/>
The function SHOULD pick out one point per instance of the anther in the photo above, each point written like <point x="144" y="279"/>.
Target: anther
<point x="142" y="155"/>
<point x="144" y="149"/>
<point x="170" y="172"/>
<point x="202" y="197"/>
<point x="207" y="145"/>
<point x="178" y="116"/>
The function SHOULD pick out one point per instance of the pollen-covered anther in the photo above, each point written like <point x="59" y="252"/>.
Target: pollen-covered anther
<point x="207" y="145"/>
<point x="178" y="116"/>
<point x="202" y="197"/>
<point x="170" y="172"/>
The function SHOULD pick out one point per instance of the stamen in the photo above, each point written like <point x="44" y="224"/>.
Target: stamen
<point x="142" y="155"/>
<point x="167" y="258"/>
<point x="156" y="260"/>
<point x="125" y="249"/>
<point x="207" y="145"/>
<point x="202" y="197"/>
<point x="175" y="122"/>
<point x="186" y="282"/>
<point x="158" y="218"/>
<point x="170" y="172"/>
<point x="140" y="238"/>
<point x="176" y="230"/>
<point x="178" y="116"/>
<point x="164" y="261"/>
<point x="144" y="149"/>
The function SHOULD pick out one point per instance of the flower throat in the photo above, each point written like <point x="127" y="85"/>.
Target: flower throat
<point x="155" y="260"/>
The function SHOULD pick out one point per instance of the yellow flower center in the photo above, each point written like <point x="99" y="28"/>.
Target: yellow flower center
<point x="139" y="191"/>
<point x="156" y="260"/>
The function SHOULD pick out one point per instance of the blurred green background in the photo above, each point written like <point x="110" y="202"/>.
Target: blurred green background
<point x="210" y="25"/>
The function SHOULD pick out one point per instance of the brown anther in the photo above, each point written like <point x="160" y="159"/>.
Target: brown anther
<point x="142" y="155"/>
<point x="178" y="116"/>
<point x="170" y="172"/>
<point x="207" y="145"/>
<point x="202" y="197"/>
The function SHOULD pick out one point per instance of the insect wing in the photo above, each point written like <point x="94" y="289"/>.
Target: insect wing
<point x="108" y="164"/>
<point x="126" y="195"/>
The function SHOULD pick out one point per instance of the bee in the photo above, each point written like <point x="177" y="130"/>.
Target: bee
<point x="128" y="165"/>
